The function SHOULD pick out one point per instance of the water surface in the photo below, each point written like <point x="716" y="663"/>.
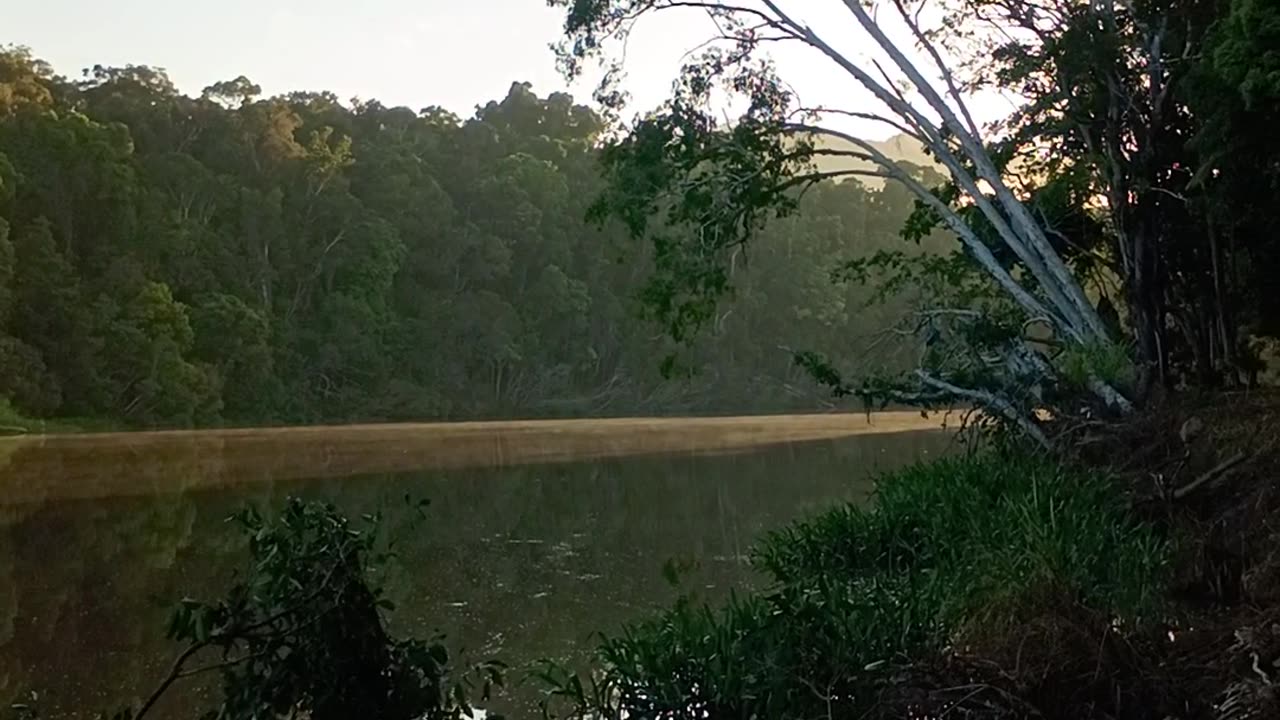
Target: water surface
<point x="518" y="562"/>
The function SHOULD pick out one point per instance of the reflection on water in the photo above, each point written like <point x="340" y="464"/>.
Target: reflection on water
<point x="517" y="562"/>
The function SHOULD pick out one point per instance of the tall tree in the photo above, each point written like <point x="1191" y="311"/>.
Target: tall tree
<point x="716" y="183"/>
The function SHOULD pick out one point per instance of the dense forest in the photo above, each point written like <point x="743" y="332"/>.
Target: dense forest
<point x="168" y="260"/>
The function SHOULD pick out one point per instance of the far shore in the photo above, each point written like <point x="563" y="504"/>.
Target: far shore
<point x="35" y="468"/>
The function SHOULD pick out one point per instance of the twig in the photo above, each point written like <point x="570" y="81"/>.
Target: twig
<point x="977" y="689"/>
<point x="222" y="665"/>
<point x="1223" y="468"/>
<point x="175" y="673"/>
<point x="991" y="400"/>
<point x="179" y="671"/>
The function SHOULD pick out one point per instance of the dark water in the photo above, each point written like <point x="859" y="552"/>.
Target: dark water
<point x="517" y="563"/>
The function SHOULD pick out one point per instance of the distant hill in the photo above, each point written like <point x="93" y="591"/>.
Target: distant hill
<point x="899" y="147"/>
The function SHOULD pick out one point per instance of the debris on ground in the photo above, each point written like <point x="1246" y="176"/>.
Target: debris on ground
<point x="1206" y="471"/>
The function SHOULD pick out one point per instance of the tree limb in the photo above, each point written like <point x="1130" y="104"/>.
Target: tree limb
<point x="947" y="76"/>
<point x="970" y="239"/>
<point x="1062" y="286"/>
<point x="1220" y="470"/>
<point x="991" y="400"/>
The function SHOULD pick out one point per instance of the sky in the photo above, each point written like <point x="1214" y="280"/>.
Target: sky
<point x="452" y="53"/>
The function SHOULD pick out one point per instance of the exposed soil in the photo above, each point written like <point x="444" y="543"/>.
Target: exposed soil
<point x="1206" y="470"/>
<point x="42" y="467"/>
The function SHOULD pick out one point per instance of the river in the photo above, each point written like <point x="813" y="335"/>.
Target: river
<point x="536" y="536"/>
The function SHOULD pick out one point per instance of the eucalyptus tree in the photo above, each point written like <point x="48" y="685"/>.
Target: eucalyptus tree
<point x="699" y="188"/>
<point x="1118" y="98"/>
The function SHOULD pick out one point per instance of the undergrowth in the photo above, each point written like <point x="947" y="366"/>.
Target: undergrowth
<point x="948" y="548"/>
<point x="13" y="422"/>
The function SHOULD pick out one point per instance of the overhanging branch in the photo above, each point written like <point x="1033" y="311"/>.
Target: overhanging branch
<point x="990" y="400"/>
<point x="1061" y="285"/>
<point x="976" y="247"/>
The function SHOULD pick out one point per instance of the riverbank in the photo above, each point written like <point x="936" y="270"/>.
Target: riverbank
<point x="118" y="464"/>
<point x="14" y="423"/>
<point x="1205" y="470"/>
<point x="1137" y="578"/>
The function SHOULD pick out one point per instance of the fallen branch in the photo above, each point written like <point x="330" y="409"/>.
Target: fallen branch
<point x="1220" y="470"/>
<point x="990" y="400"/>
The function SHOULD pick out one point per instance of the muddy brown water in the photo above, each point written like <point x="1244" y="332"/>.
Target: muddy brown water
<point x="538" y="534"/>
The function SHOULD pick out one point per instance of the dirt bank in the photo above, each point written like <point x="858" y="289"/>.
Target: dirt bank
<point x="1207" y="469"/>
<point x="1206" y="472"/>
<point x="39" y="467"/>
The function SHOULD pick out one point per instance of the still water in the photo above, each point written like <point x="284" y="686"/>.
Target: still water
<point x="518" y="562"/>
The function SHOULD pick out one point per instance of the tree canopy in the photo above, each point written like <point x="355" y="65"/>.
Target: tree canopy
<point x="168" y="260"/>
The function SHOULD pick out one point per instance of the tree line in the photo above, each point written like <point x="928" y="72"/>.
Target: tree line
<point x="169" y="260"/>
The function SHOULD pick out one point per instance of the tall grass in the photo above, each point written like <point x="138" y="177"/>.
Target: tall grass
<point x="855" y="591"/>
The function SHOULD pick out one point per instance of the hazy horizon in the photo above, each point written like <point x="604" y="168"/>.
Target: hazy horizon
<point x="401" y="52"/>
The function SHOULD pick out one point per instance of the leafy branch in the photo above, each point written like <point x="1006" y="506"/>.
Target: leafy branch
<point x="303" y="633"/>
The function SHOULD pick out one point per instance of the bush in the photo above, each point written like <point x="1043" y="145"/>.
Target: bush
<point x="948" y="547"/>
<point x="25" y="380"/>
<point x="303" y="633"/>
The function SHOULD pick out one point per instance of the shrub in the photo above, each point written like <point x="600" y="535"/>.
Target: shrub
<point x="1111" y="363"/>
<point x="854" y="592"/>
<point x="303" y="634"/>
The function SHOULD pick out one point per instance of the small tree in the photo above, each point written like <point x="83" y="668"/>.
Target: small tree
<point x="698" y="188"/>
<point x="302" y="634"/>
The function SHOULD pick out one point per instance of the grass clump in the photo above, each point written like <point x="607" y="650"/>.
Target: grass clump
<point x="856" y="593"/>
<point x="1108" y="362"/>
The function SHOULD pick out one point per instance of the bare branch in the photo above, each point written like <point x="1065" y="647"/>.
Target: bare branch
<point x="874" y="117"/>
<point x="957" y="224"/>
<point x="817" y="177"/>
<point x="745" y="36"/>
<point x="1061" y="286"/>
<point x="1057" y="284"/>
<point x="990" y="400"/>
<point x="913" y="22"/>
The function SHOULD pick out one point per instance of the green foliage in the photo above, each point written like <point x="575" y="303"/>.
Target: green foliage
<point x="232" y="258"/>
<point x="1234" y="90"/>
<point x="697" y="190"/>
<point x="11" y="420"/>
<point x="1167" y="111"/>
<point x="982" y="526"/>
<point x="303" y="633"/>
<point x="947" y="547"/>
<point x="933" y="280"/>
<point x="25" y="379"/>
<point x="1243" y="50"/>
<point x="7" y="269"/>
<point x="147" y="369"/>
<point x="700" y="189"/>
<point x="235" y="339"/>
<point x="1111" y="363"/>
